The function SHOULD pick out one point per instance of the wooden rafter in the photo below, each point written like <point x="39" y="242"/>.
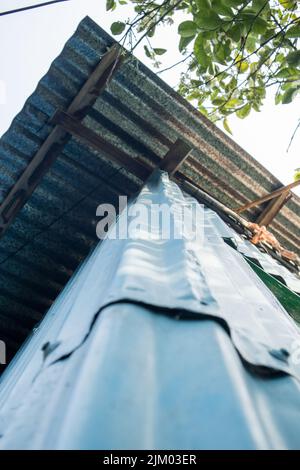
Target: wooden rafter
<point x="267" y="197"/>
<point x="74" y="127"/>
<point x="272" y="209"/>
<point x="58" y="137"/>
<point x="175" y="156"/>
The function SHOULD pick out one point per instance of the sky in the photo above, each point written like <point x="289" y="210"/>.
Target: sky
<point x="31" y="40"/>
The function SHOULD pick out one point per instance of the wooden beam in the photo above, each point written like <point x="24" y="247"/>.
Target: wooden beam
<point x="77" y="129"/>
<point x="97" y="81"/>
<point x="52" y="146"/>
<point x="174" y="158"/>
<point x="272" y="209"/>
<point x="267" y="197"/>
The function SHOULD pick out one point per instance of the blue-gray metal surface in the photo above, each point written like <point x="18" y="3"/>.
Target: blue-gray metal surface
<point x="156" y="344"/>
<point x="139" y="113"/>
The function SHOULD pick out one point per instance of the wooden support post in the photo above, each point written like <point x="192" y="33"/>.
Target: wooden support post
<point x="56" y="140"/>
<point x="272" y="209"/>
<point x="174" y="158"/>
<point x="267" y="197"/>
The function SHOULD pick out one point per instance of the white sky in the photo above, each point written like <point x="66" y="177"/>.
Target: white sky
<point x="31" y="40"/>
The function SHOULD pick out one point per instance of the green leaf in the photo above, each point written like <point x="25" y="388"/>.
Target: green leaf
<point x="159" y="51"/>
<point x="288" y="72"/>
<point x="242" y="65"/>
<point x="208" y="19"/>
<point x="187" y="29"/>
<point x="259" y="6"/>
<point x="219" y="53"/>
<point x="235" y="33"/>
<point x="232" y="84"/>
<point x="288" y="4"/>
<point x="234" y="3"/>
<point x="200" y="53"/>
<point x="203" y="4"/>
<point x="293" y="31"/>
<point x="221" y="8"/>
<point x="251" y="44"/>
<point x="297" y="174"/>
<point x="184" y="42"/>
<point x="117" y="28"/>
<point x="233" y="102"/>
<point x="283" y="73"/>
<point x="278" y="98"/>
<point x="203" y="110"/>
<point x="254" y="23"/>
<point x="182" y="6"/>
<point x="110" y="5"/>
<point x="147" y="52"/>
<point x="280" y="58"/>
<point x="268" y="34"/>
<point x="244" y="111"/>
<point x="289" y="95"/>
<point x="209" y="34"/>
<point x="218" y="101"/>
<point x="256" y="107"/>
<point x="293" y="58"/>
<point x="222" y="52"/>
<point x="151" y="32"/>
<point x="226" y="126"/>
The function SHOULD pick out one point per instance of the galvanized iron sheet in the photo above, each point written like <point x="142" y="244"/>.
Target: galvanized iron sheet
<point x="157" y="344"/>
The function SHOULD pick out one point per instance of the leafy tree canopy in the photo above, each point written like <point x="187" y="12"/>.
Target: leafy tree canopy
<point x="233" y="50"/>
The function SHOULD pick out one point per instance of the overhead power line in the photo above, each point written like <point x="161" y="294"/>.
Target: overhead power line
<point x="31" y="7"/>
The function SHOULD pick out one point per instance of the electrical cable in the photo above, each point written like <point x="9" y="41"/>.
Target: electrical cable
<point x="31" y="7"/>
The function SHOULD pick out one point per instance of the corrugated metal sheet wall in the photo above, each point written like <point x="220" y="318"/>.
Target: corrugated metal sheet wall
<point x="158" y="343"/>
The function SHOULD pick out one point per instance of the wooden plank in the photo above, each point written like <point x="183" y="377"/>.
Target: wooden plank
<point x="267" y="197"/>
<point x="52" y="146"/>
<point x="174" y="158"/>
<point x="270" y="212"/>
<point x="97" y="81"/>
<point x="96" y="141"/>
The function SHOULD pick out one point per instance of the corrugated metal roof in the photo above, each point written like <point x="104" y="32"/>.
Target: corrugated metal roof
<point x="139" y="113"/>
<point x="156" y="344"/>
